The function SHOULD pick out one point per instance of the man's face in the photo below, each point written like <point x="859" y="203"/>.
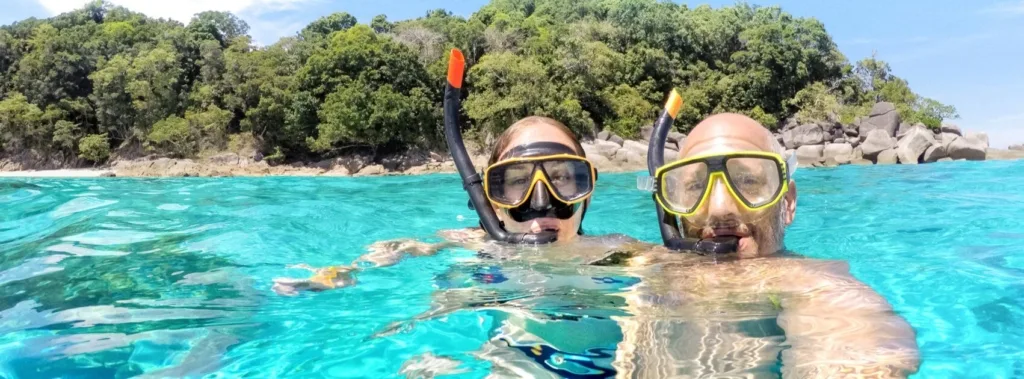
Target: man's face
<point x="761" y="232"/>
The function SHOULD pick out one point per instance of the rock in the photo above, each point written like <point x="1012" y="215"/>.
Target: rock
<point x="806" y="134"/>
<point x="676" y="137"/>
<point x="934" y="152"/>
<point x="999" y="154"/>
<point x="883" y="116"/>
<point x="372" y="170"/>
<point x="646" y="131"/>
<point x="877" y="141"/>
<point x="603" y="148"/>
<point x="841" y="152"/>
<point x="257" y="156"/>
<point x="601" y="162"/>
<point x="887" y="157"/>
<point x="809" y="154"/>
<point x="108" y="174"/>
<point x="904" y="128"/>
<point x="436" y="157"/>
<point x="966" y="148"/>
<point x="637" y="147"/>
<point x="627" y="158"/>
<point x="978" y="137"/>
<point x="225" y="159"/>
<point x="947" y="138"/>
<point x="861" y="162"/>
<point x="1018" y="147"/>
<point x="946" y="159"/>
<point x="830" y="162"/>
<point x="912" y="146"/>
<point x="840" y="140"/>
<point x="616" y="140"/>
<point x="670" y="155"/>
<point x="604" y="135"/>
<point x="858" y="153"/>
<point x="950" y="128"/>
<point x="790" y="123"/>
<point x="850" y="130"/>
<point x="854" y="141"/>
<point x="778" y="137"/>
<point x="671" y="146"/>
<point x="342" y="171"/>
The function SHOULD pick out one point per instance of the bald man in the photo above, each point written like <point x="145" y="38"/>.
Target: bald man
<point x="698" y="316"/>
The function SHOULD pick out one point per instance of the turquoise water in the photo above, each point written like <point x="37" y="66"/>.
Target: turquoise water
<point x="171" y="277"/>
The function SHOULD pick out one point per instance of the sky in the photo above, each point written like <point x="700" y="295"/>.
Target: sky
<point x="966" y="53"/>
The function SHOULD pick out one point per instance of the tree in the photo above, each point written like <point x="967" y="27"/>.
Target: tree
<point x="324" y="26"/>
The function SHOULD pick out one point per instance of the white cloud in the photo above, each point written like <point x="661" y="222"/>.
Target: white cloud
<point x="181" y="10"/>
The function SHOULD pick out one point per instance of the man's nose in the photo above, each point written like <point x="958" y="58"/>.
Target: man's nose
<point x="540" y="199"/>
<point x="720" y="202"/>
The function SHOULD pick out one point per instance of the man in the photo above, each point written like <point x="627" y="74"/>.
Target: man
<point x="736" y="315"/>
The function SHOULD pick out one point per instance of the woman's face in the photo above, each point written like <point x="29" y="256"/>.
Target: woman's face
<point x="567" y="229"/>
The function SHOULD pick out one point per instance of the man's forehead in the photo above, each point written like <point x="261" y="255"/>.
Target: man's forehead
<point x="726" y="133"/>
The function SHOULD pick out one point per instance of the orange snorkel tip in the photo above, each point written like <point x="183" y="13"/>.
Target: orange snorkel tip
<point x="674" y="104"/>
<point x="456" y="68"/>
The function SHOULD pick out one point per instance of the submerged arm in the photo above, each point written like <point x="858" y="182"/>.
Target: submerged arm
<point x="837" y="326"/>
<point x="380" y="254"/>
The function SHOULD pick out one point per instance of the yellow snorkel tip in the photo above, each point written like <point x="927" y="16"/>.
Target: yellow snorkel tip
<point x="674" y="104"/>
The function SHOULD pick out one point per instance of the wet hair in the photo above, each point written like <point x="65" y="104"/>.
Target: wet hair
<point x="506" y="137"/>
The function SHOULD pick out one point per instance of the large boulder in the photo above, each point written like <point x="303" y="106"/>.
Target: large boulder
<point x="628" y="158"/>
<point x="851" y="130"/>
<point x="646" y="131"/>
<point x="809" y="154"/>
<point x="858" y="153"/>
<point x="1019" y="147"/>
<point x="604" y="135"/>
<point x="637" y="147"/>
<point x="883" y="116"/>
<point x="911" y="147"/>
<point x="947" y="138"/>
<point x="616" y="140"/>
<point x="934" y="152"/>
<point x="887" y="157"/>
<point x="903" y="130"/>
<point x="840" y="152"/>
<point x="966" y="148"/>
<point x="950" y="128"/>
<point x="806" y="134"/>
<point x="877" y="141"/>
<point x="599" y="147"/>
<point x="861" y="162"/>
<point x="978" y="137"/>
<point x="676" y="137"/>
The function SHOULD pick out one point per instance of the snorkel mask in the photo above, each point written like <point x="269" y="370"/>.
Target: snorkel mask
<point x="512" y="183"/>
<point x="757" y="180"/>
<point x="541" y="179"/>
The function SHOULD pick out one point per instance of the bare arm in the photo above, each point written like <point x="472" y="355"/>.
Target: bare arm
<point x="838" y="326"/>
<point x="380" y="254"/>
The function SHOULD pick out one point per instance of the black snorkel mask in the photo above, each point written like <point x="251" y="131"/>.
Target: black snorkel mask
<point x="473" y="182"/>
<point x="668" y="223"/>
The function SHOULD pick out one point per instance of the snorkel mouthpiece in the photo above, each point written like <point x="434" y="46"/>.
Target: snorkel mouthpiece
<point x="471" y="180"/>
<point x="667" y="223"/>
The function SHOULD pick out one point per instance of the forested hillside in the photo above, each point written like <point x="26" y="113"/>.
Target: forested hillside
<point x="103" y="80"/>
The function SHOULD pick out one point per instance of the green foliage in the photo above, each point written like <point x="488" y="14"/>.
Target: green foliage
<point x="173" y="135"/>
<point x="94" y="147"/>
<point x="105" y="76"/>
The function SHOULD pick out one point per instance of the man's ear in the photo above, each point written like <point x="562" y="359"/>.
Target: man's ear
<point x="789" y="210"/>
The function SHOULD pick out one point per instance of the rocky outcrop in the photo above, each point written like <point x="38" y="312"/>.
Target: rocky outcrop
<point x="842" y="153"/>
<point x="884" y="116"/>
<point x="877" y="141"/>
<point x="912" y="146"/>
<point x="934" y="153"/>
<point x="950" y="128"/>
<point x="966" y="148"/>
<point x="1018" y="147"/>
<point x="809" y="154"/>
<point x="887" y="157"/>
<point x="803" y="135"/>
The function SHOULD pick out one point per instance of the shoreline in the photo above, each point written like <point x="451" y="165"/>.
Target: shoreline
<point x="172" y="168"/>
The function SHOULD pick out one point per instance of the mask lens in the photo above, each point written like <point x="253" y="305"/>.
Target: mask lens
<point x="508" y="184"/>
<point x="683" y="186"/>
<point x="570" y="178"/>
<point x="755" y="179"/>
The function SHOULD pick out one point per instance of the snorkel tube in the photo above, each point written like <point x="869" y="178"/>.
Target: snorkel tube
<point x="471" y="180"/>
<point x="655" y="159"/>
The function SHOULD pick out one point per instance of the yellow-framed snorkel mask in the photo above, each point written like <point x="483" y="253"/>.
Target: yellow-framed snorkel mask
<point x="756" y="179"/>
<point x="568" y="177"/>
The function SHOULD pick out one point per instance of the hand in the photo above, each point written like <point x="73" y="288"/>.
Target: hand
<point x="322" y="279"/>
